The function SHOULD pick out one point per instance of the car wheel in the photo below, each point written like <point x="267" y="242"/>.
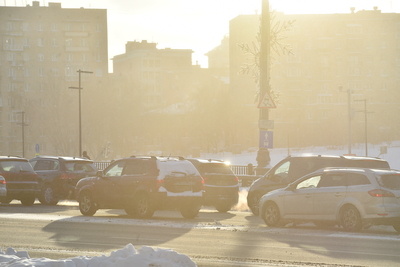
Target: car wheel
<point x="253" y="203"/>
<point x="28" y="200"/>
<point x="396" y="227"/>
<point x="87" y="206"/>
<point x="190" y="209"/>
<point x="47" y="196"/>
<point x="5" y="200"/>
<point x="141" y="207"/>
<point x="350" y="219"/>
<point x="271" y="214"/>
<point x="223" y="207"/>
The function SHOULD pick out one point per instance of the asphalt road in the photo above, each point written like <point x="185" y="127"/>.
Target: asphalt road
<point x="212" y="239"/>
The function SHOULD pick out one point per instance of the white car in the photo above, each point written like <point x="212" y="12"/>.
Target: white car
<point x="3" y="187"/>
<point x="349" y="197"/>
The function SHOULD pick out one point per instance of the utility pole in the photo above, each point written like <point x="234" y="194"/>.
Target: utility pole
<point x="80" y="108"/>
<point x="23" y="124"/>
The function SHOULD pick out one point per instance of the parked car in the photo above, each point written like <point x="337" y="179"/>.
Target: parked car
<point x="3" y="187"/>
<point x="294" y="167"/>
<point x="59" y="175"/>
<point x="221" y="185"/>
<point x="141" y="185"/>
<point x="21" y="181"/>
<point x="349" y="197"/>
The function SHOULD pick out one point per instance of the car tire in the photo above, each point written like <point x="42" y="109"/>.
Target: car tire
<point x="253" y="202"/>
<point x="350" y="218"/>
<point x="190" y="209"/>
<point x="271" y="214"/>
<point x="47" y="196"/>
<point x="87" y="206"/>
<point x="223" y="207"/>
<point x="141" y="207"/>
<point x="28" y="200"/>
<point x="5" y="200"/>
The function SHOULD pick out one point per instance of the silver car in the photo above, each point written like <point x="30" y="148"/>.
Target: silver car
<point x="3" y="187"/>
<point x="349" y="197"/>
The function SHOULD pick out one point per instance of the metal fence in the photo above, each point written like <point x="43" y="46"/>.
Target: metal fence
<point x="245" y="173"/>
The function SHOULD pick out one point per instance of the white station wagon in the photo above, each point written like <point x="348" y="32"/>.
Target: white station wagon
<point x="348" y="197"/>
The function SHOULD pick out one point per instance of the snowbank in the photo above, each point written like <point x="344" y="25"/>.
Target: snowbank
<point x="128" y="256"/>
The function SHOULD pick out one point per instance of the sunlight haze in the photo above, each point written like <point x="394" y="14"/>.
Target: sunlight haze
<point x="196" y="25"/>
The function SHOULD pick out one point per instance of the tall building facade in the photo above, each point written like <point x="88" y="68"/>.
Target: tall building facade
<point x="42" y="48"/>
<point x="339" y="85"/>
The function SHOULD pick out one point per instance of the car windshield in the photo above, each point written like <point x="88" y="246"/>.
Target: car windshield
<point x="391" y="181"/>
<point x="214" y="168"/>
<point x="80" y="166"/>
<point x="15" y="166"/>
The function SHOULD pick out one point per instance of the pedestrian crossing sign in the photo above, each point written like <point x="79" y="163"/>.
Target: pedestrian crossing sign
<point x="266" y="101"/>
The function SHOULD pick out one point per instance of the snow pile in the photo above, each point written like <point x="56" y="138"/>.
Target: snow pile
<point x="128" y="256"/>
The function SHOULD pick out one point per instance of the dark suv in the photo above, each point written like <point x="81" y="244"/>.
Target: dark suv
<point x="141" y="185"/>
<point x="221" y="185"/>
<point x="59" y="175"/>
<point x="21" y="181"/>
<point x="294" y="167"/>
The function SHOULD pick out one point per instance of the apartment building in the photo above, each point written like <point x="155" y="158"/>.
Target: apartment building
<point x="338" y="85"/>
<point x="42" y="48"/>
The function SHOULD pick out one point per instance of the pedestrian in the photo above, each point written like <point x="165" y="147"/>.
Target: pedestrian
<point x="85" y="155"/>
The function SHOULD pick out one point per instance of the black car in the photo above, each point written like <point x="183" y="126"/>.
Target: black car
<point x="59" y="175"/>
<point x="142" y="185"/>
<point x="294" y="167"/>
<point x="221" y="185"/>
<point x="21" y="181"/>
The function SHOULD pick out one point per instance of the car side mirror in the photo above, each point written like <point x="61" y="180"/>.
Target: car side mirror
<point x="291" y="187"/>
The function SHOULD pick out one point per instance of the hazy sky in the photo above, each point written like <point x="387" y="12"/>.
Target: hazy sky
<point x="197" y="25"/>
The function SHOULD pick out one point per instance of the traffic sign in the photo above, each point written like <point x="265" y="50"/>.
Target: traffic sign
<point x="266" y="101"/>
<point x="266" y="139"/>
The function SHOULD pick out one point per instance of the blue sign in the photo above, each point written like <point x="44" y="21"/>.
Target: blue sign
<point x="266" y="139"/>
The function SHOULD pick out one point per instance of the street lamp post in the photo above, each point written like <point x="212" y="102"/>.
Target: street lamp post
<point x="365" y="124"/>
<point x="80" y="108"/>
<point x="23" y="124"/>
<point x="348" y="116"/>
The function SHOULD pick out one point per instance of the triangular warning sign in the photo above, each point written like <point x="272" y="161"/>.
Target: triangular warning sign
<point x="266" y="102"/>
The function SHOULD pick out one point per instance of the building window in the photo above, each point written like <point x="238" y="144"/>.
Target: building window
<point x="41" y="57"/>
<point x="27" y="87"/>
<point x="54" y="27"/>
<point x="54" y="42"/>
<point x="40" y="42"/>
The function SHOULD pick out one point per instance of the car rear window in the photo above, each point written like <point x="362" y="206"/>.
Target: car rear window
<point x="219" y="168"/>
<point x="391" y="181"/>
<point x="80" y="166"/>
<point x="15" y="166"/>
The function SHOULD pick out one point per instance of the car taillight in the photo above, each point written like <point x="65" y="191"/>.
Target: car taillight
<point x="66" y="176"/>
<point x="381" y="193"/>
<point x="160" y="183"/>
<point x="2" y="181"/>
